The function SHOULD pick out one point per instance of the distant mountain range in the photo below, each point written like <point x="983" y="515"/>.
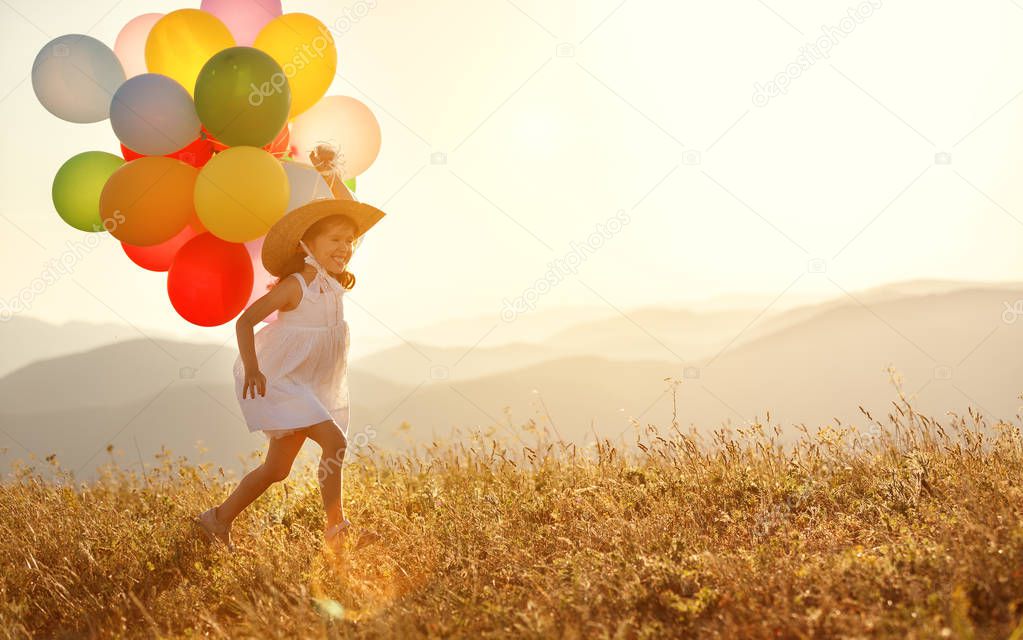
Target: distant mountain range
<point x="590" y="376"/>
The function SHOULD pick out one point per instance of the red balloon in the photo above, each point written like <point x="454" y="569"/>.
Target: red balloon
<point x="158" y="257"/>
<point x="279" y="148"/>
<point x="217" y="145"/>
<point x="196" y="153"/>
<point x="210" y="280"/>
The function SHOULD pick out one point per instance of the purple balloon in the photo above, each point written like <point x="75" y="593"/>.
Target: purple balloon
<point x="244" y="18"/>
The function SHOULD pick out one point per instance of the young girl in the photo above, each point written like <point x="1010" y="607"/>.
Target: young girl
<point x="291" y="377"/>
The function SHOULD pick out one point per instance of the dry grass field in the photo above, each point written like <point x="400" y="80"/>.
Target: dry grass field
<point x="907" y="527"/>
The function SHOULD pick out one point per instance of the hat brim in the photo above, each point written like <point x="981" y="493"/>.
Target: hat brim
<point x="281" y="240"/>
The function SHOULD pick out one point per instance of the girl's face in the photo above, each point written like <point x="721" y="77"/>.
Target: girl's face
<point x="333" y="247"/>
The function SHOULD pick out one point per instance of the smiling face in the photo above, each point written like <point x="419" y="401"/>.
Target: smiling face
<point x="332" y="243"/>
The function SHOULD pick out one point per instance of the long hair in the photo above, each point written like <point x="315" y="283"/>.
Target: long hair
<point x="296" y="263"/>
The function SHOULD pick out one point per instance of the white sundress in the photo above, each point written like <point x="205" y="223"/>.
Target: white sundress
<point x="304" y="356"/>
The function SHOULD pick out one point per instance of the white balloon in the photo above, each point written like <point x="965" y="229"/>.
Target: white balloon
<point x="346" y="125"/>
<point x="75" y="76"/>
<point x="154" y="115"/>
<point x="306" y="184"/>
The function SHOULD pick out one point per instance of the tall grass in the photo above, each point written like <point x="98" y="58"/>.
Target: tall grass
<point x="905" y="527"/>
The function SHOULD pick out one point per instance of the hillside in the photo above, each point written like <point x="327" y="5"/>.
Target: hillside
<point x="952" y="347"/>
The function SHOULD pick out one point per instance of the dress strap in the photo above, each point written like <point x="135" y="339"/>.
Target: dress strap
<point x="324" y="281"/>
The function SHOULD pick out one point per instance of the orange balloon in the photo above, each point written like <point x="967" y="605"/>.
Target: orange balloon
<point x="149" y="200"/>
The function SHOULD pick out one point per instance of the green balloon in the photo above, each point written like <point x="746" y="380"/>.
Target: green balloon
<point x="350" y="183"/>
<point x="243" y="97"/>
<point x="78" y="185"/>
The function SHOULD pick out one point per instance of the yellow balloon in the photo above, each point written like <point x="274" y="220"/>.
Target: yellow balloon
<point x="240" y="193"/>
<point x="304" y="48"/>
<point x="181" y="42"/>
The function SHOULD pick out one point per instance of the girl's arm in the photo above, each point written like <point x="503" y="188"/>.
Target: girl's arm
<point x="338" y="186"/>
<point x="285" y="295"/>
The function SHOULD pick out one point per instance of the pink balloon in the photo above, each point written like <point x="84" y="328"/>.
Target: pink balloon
<point x="130" y="46"/>
<point x="261" y="277"/>
<point x="244" y="18"/>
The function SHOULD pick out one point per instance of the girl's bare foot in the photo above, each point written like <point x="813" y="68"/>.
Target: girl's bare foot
<point x="336" y="535"/>
<point x="213" y="528"/>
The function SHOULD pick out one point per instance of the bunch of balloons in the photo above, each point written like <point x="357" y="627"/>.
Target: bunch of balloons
<point x="216" y="110"/>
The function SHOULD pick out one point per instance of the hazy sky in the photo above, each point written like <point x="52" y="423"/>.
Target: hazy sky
<point x="556" y="116"/>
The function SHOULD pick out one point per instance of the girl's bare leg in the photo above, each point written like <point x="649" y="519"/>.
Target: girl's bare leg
<point x="279" y="458"/>
<point x="332" y="445"/>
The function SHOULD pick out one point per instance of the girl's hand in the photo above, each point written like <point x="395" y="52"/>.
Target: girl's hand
<point x="256" y="380"/>
<point x="323" y="157"/>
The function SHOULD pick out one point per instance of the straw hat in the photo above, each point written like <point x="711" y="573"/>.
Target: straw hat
<point x="281" y="243"/>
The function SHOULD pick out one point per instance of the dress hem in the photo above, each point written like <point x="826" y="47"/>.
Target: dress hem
<point x="294" y="428"/>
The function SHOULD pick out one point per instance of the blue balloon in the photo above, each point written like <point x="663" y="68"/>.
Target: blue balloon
<point x="154" y="115"/>
<point x="75" y="77"/>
